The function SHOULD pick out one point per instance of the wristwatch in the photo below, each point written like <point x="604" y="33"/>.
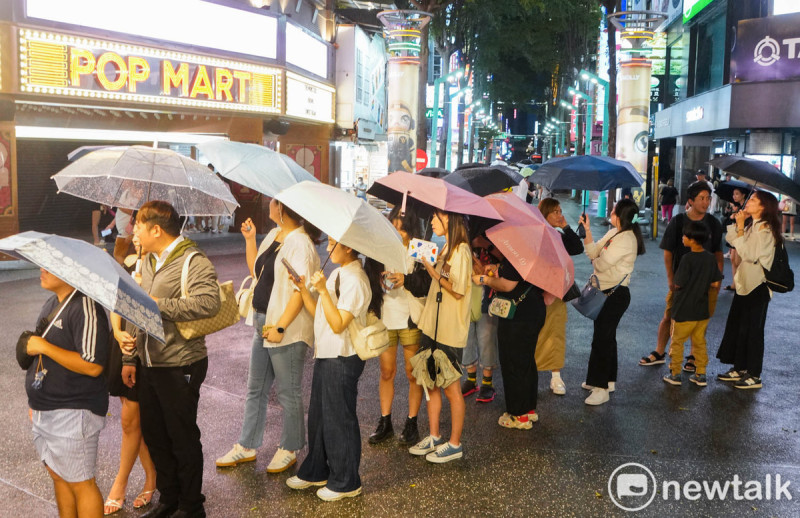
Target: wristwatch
<point x="281" y="330"/>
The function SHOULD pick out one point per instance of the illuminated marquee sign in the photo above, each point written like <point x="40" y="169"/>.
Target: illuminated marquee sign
<point x="308" y="99"/>
<point x="54" y="64"/>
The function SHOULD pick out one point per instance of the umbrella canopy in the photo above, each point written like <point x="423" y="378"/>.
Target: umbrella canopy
<point x="529" y="170"/>
<point x="482" y="180"/>
<point x="83" y="151"/>
<point x="434" y="172"/>
<point x="531" y="245"/>
<point x="349" y="220"/>
<point x="432" y="192"/>
<point x="725" y="189"/>
<point x="130" y="176"/>
<point x="259" y="168"/>
<point x="759" y="172"/>
<point x="91" y="271"/>
<point x="586" y="172"/>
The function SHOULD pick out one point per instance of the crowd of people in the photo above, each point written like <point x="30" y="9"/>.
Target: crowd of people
<point x="441" y="306"/>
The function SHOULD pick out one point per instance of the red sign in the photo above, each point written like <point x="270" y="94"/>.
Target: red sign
<point x="422" y="159"/>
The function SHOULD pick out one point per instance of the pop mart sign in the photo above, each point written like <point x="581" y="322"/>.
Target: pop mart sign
<point x="62" y="65"/>
<point x="692" y="7"/>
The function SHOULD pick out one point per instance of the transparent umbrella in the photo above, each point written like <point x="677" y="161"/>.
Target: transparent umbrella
<point x="130" y="176"/>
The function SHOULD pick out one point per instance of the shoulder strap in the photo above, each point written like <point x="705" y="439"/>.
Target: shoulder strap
<point x="185" y="273"/>
<point x="336" y="286"/>
<point x="47" y="323"/>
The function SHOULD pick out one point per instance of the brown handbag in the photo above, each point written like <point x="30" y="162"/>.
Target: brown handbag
<point x="227" y="316"/>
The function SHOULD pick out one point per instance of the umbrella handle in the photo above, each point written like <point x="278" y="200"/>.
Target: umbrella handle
<point x="329" y="256"/>
<point x="403" y="206"/>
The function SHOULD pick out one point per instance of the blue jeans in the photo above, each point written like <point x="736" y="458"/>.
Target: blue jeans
<point x="334" y="438"/>
<point x="482" y="343"/>
<point x="284" y="366"/>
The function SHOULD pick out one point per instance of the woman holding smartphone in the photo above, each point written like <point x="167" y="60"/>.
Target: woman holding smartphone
<point x="334" y="437"/>
<point x="283" y="332"/>
<point x="445" y="326"/>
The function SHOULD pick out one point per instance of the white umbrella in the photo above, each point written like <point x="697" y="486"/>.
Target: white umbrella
<point x="130" y="176"/>
<point x="349" y="220"/>
<point x="259" y="168"/>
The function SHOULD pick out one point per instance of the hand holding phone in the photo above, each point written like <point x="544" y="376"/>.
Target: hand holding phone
<point x="291" y="270"/>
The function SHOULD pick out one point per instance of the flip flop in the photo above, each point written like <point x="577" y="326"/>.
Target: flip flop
<point x="144" y="496"/>
<point x="114" y="504"/>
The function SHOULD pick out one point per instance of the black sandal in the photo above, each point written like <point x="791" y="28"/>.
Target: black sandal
<point x="730" y="288"/>
<point x="646" y="360"/>
<point x="690" y="366"/>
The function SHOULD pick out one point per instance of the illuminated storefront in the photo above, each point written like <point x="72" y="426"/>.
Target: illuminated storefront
<point x="81" y="73"/>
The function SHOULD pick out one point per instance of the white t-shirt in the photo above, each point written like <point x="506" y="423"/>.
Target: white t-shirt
<point x="453" y="314"/>
<point x="122" y="218"/>
<point x="354" y="297"/>
<point x="395" y="311"/>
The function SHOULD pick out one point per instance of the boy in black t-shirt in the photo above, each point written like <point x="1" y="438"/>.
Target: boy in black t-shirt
<point x="697" y="272"/>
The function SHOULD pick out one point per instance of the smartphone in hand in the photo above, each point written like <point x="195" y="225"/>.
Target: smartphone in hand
<point x="291" y="270"/>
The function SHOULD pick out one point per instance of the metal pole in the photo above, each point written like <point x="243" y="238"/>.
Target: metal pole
<point x="435" y="124"/>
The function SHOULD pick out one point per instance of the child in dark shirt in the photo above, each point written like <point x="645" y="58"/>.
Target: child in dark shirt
<point x="690" y="313"/>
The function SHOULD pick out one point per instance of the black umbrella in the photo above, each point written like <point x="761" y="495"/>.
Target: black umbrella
<point x="759" y="172"/>
<point x="469" y="165"/>
<point x="725" y="189"/>
<point x="586" y="172"/>
<point x="481" y="180"/>
<point x="434" y="172"/>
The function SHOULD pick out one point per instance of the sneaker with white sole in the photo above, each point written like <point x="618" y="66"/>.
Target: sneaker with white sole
<point x="296" y="482"/>
<point x="673" y="379"/>
<point x="748" y="382"/>
<point x="445" y="453"/>
<point x="330" y="495"/>
<point x="237" y="455"/>
<point x="281" y="461"/>
<point x="522" y="422"/>
<point x="558" y="387"/>
<point x="426" y="445"/>
<point x="597" y="397"/>
<point x="612" y="386"/>
<point x="732" y="375"/>
<point x="698" y="379"/>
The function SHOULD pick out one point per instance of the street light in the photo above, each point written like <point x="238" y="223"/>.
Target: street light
<point x="588" y="127"/>
<point x="454" y="75"/>
<point x="561" y="133"/>
<point x="588" y="76"/>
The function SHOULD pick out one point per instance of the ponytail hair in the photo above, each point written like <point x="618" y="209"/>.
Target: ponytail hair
<point x="626" y="210"/>
<point x="374" y="271"/>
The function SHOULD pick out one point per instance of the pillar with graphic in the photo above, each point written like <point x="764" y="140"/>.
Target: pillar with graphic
<point x="403" y="32"/>
<point x="633" y="120"/>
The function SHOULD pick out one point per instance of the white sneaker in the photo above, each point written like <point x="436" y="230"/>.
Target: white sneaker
<point x="558" y="387"/>
<point x="281" y="461"/>
<point x="298" y="483"/>
<point x="612" y="386"/>
<point x="331" y="496"/>
<point x="237" y="455"/>
<point x="597" y="397"/>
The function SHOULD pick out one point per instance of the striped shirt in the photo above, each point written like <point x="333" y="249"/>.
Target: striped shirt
<point x="81" y="327"/>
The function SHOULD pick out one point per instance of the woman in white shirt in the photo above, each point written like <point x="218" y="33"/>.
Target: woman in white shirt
<point x="445" y="325"/>
<point x="334" y="436"/>
<point x="283" y="333"/>
<point x="612" y="259"/>
<point x="400" y="311"/>
<point x="743" y="342"/>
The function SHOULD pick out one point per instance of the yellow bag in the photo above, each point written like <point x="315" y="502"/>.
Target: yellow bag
<point x="227" y="316"/>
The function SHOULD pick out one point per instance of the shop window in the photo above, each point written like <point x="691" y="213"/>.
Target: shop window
<point x="710" y="55"/>
<point x="677" y="70"/>
<point x="361" y="95"/>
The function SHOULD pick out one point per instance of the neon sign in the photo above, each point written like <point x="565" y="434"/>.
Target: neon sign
<point x="54" y="64"/>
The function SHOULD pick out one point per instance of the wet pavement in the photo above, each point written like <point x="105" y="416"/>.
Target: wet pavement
<point x="561" y="467"/>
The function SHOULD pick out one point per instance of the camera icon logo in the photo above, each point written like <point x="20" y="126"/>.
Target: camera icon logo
<point x="632" y="487"/>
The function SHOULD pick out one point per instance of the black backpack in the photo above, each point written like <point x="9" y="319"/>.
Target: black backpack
<point x="780" y="277"/>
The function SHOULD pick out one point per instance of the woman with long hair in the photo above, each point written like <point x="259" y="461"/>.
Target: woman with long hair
<point x="445" y="325"/>
<point x="283" y="333"/>
<point x="400" y="311"/>
<point x="334" y="436"/>
<point x="613" y="257"/>
<point x="755" y="240"/>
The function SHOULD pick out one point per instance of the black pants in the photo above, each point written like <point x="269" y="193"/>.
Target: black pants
<point x="743" y="342"/>
<point x="334" y="438"/>
<point x="168" y="399"/>
<point x="516" y="342"/>
<point x="603" y="358"/>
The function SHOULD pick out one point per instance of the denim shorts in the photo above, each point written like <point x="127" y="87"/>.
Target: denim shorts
<point x="66" y="441"/>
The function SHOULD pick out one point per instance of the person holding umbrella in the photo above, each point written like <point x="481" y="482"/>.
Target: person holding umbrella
<point x="283" y="332"/>
<point x="613" y="258"/>
<point x="755" y="241"/>
<point x="334" y="437"/>
<point x="738" y="196"/>
<point x="68" y="395"/>
<point x="445" y="326"/>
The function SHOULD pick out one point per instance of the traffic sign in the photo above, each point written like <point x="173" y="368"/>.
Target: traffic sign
<point x="422" y="159"/>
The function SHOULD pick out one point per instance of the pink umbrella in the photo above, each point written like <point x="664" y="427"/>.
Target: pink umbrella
<point x="394" y="188"/>
<point x="531" y="245"/>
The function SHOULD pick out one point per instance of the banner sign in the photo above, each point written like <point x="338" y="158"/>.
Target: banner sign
<point x="767" y="49"/>
<point x="309" y="99"/>
<point x="55" y="64"/>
